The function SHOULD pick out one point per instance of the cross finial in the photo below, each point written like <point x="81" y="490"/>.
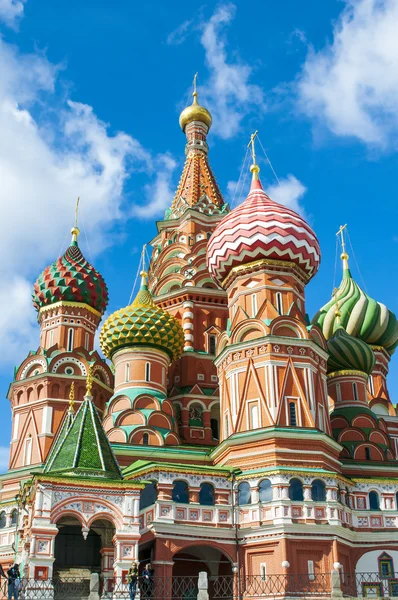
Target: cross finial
<point x="143" y="272"/>
<point x="194" y="83"/>
<point x="343" y="255"/>
<point x="255" y="169"/>
<point x="75" y="230"/>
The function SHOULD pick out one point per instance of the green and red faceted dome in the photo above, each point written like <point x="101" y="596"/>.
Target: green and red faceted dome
<point x="71" y="278"/>
<point x="262" y="229"/>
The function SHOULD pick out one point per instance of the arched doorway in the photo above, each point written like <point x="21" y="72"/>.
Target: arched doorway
<point x="189" y="562"/>
<point x="74" y="555"/>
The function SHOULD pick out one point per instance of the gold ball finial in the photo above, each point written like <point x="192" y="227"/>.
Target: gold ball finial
<point x="75" y="232"/>
<point x="195" y="112"/>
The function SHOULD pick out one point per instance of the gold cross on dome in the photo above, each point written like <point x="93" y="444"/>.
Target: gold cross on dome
<point x="194" y="83"/>
<point x="251" y="143"/>
<point x="340" y="232"/>
<point x="77" y="210"/>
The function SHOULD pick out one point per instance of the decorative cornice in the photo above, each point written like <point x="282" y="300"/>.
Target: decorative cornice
<point x="347" y="373"/>
<point x="70" y="304"/>
<point x="91" y="483"/>
<point x="263" y="263"/>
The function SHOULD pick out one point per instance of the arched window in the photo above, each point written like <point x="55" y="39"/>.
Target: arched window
<point x="386" y="565"/>
<point x="86" y="341"/>
<point x="14" y="516"/>
<point x="226" y="426"/>
<point x="180" y="492"/>
<point x="212" y="343"/>
<point x="292" y="414"/>
<point x="348" y="499"/>
<point x="2" y="520"/>
<point x="265" y="490"/>
<point x="70" y="339"/>
<point x="374" y="502"/>
<point x="51" y="343"/>
<point x="368" y="455"/>
<point x="279" y="303"/>
<point x="296" y="490"/>
<point x="244" y="493"/>
<point x="196" y="415"/>
<point x="254" y="305"/>
<point x="145" y="439"/>
<point x="396" y="499"/>
<point x="355" y="391"/>
<point x="318" y="491"/>
<point x="127" y="372"/>
<point x="148" y="495"/>
<point x="339" y="495"/>
<point x="147" y="371"/>
<point x="206" y="494"/>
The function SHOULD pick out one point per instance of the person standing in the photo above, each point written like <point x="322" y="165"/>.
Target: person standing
<point x="14" y="580"/>
<point x="132" y="580"/>
<point x="147" y="581"/>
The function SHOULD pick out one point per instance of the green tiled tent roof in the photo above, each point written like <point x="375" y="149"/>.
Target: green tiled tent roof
<point x="82" y="447"/>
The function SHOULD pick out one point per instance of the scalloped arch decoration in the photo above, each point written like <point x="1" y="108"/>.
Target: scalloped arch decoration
<point x="288" y="328"/>
<point x="352" y="435"/>
<point x="103" y="372"/>
<point x="67" y="360"/>
<point x="129" y="418"/>
<point x="119" y="404"/>
<point x="146" y="401"/>
<point x="248" y="328"/>
<point x="117" y="436"/>
<point x="32" y="363"/>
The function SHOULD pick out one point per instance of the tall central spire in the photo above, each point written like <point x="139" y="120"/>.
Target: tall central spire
<point x="197" y="188"/>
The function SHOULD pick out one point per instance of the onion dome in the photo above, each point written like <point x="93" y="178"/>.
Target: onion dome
<point x="195" y="112"/>
<point x="348" y="352"/>
<point x="142" y="324"/>
<point x="262" y="229"/>
<point x="361" y="316"/>
<point x="71" y="278"/>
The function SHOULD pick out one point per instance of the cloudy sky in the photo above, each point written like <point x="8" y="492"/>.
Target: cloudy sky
<point x="90" y="94"/>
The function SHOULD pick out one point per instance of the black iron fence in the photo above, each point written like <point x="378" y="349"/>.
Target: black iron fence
<point x="252" y="587"/>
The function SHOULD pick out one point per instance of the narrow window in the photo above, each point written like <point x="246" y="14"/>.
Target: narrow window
<point x="367" y="454"/>
<point x="147" y="371"/>
<point x="226" y="421"/>
<point x="244" y="493"/>
<point x="28" y="451"/>
<point x="254" y="305"/>
<point x="86" y="341"/>
<point x="51" y="342"/>
<point x="212" y="344"/>
<point x="292" y="414"/>
<point x="70" y="340"/>
<point x="311" y="575"/>
<point x="265" y="491"/>
<point x="263" y="571"/>
<point x="298" y="302"/>
<point x="235" y="308"/>
<point x="145" y="439"/>
<point x="279" y="304"/>
<point x="127" y="372"/>
<point x="163" y="376"/>
<point x="321" y="421"/>
<point x="371" y="385"/>
<point x="355" y="391"/>
<point x="254" y="416"/>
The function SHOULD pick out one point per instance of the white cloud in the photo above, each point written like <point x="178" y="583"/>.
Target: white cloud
<point x="11" y="11"/>
<point x="228" y="91"/>
<point x="51" y="151"/>
<point x="351" y="85"/>
<point x="179" y="35"/>
<point x="159" y="194"/>
<point x="288" y="192"/>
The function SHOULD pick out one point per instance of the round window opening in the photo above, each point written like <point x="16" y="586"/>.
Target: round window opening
<point x="69" y="370"/>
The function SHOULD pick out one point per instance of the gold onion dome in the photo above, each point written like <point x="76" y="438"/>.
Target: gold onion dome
<point x="142" y="324"/>
<point x="195" y="112"/>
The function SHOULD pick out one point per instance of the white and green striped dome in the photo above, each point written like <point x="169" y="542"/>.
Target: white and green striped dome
<point x="348" y="352"/>
<point x="361" y="316"/>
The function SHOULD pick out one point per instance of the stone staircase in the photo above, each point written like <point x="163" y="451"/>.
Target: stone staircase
<point x="72" y="584"/>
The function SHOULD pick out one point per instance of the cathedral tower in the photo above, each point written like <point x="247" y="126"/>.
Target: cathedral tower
<point x="70" y="296"/>
<point x="181" y="284"/>
<point x="271" y="362"/>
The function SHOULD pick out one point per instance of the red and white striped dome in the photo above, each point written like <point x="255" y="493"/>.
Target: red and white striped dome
<point x="261" y="228"/>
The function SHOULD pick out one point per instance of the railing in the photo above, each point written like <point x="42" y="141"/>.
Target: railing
<point x="159" y="588"/>
<point x="252" y="587"/>
<point x="369" y="585"/>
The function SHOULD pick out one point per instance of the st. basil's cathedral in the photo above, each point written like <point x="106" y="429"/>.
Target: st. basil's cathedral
<point x="226" y="431"/>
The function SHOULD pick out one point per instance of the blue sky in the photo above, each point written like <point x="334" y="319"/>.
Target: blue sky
<point x="90" y="94"/>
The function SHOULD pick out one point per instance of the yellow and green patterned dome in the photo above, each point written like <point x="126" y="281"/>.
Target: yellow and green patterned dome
<point x="142" y="324"/>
